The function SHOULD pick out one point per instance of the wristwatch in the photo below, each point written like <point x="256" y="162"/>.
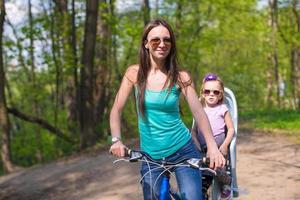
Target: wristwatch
<point x="115" y="139"/>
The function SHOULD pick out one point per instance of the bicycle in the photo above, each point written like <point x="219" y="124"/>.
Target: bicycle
<point x="167" y="192"/>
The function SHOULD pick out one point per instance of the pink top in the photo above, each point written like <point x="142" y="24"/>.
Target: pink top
<point x="216" y="117"/>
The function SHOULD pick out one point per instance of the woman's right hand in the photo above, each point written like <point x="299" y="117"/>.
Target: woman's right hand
<point x="118" y="149"/>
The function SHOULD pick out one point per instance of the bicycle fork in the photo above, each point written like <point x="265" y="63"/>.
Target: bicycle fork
<point x="166" y="192"/>
<point x="165" y="187"/>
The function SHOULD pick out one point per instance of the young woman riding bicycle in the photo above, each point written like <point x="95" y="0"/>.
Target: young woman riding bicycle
<point x="158" y="83"/>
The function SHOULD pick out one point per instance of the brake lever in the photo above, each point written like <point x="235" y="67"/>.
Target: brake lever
<point x="134" y="156"/>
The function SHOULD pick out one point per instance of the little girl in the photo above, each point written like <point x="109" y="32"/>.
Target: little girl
<point x="211" y="97"/>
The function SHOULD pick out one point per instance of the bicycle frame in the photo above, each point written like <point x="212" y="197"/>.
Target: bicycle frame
<point x="166" y="192"/>
<point x="165" y="187"/>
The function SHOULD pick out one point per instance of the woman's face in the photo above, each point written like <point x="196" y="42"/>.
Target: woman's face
<point x="159" y="42"/>
<point x="212" y="93"/>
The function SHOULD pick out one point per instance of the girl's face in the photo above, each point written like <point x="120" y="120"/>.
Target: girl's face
<point x="212" y="93"/>
<point x="159" y="42"/>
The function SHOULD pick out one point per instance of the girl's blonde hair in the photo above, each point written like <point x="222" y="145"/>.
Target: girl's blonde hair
<point x="212" y="77"/>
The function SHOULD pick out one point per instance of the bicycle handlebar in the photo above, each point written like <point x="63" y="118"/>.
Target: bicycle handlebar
<point x="135" y="155"/>
<point x="221" y="175"/>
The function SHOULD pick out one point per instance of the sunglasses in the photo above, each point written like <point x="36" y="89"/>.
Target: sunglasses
<point x="155" y="42"/>
<point x="215" y="92"/>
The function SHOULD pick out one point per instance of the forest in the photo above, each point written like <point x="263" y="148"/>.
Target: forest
<point x="61" y="62"/>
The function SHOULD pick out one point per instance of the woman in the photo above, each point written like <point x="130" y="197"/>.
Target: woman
<point x="158" y="84"/>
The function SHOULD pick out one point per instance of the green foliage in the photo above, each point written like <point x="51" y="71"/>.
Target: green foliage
<point x="230" y="38"/>
<point x="274" y="119"/>
<point x="226" y="38"/>
<point x="285" y="122"/>
<point x="26" y="149"/>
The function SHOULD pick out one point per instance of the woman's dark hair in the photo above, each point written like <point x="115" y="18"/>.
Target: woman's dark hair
<point x="171" y="66"/>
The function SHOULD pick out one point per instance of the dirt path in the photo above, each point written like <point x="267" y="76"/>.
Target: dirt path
<point x="268" y="168"/>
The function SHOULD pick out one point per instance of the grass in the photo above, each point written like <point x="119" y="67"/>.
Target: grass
<point x="283" y="122"/>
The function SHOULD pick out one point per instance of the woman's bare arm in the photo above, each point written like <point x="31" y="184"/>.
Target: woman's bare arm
<point x="194" y="136"/>
<point x="124" y="91"/>
<point x="217" y="160"/>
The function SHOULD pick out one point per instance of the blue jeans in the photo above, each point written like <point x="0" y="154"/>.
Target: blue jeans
<point x="188" y="179"/>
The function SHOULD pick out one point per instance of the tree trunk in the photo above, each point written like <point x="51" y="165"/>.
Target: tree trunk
<point x="36" y="110"/>
<point x="87" y="131"/>
<point x="4" y="120"/>
<point x="56" y="60"/>
<point x="146" y="11"/>
<point x="31" y="49"/>
<point x="20" y="49"/>
<point x="59" y="29"/>
<point x="62" y="5"/>
<point x="104" y="63"/>
<point x="295" y="76"/>
<point x="74" y="97"/>
<point x="41" y="122"/>
<point x="295" y="59"/>
<point x="273" y="4"/>
<point x="67" y="29"/>
<point x="156" y="7"/>
<point x="178" y="19"/>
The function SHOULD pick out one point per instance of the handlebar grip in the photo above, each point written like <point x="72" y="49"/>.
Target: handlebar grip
<point x="133" y="155"/>
<point x="206" y="160"/>
<point x="127" y="152"/>
<point x="222" y="176"/>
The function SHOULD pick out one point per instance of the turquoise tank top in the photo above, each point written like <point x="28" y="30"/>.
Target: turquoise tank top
<point x="162" y="131"/>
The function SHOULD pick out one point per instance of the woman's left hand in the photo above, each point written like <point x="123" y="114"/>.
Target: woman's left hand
<point x="217" y="160"/>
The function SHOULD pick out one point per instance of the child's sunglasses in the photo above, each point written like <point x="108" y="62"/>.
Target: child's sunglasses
<point x="215" y="92"/>
<point x="155" y="42"/>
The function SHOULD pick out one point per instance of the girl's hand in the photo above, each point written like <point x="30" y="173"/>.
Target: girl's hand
<point x="217" y="160"/>
<point x="224" y="149"/>
<point x="118" y="149"/>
